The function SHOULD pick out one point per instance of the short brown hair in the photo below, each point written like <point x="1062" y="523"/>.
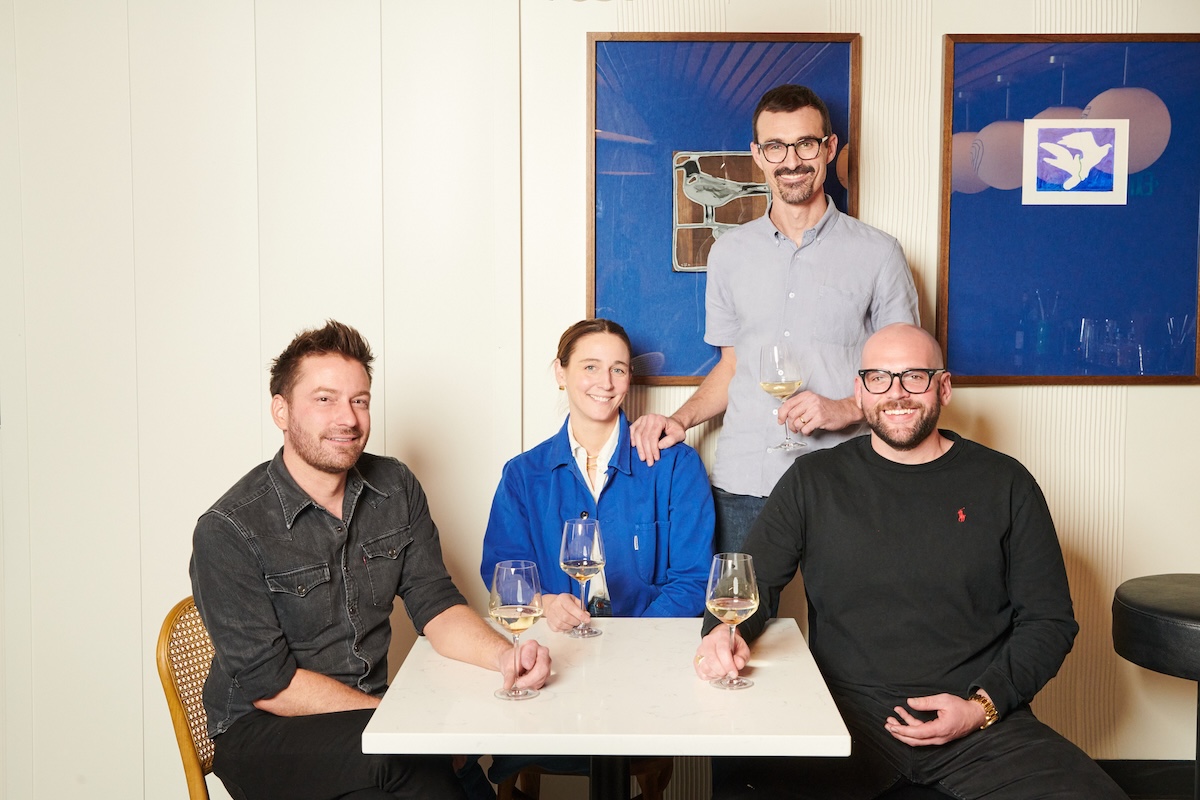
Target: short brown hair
<point x="791" y="97"/>
<point x="572" y="335"/>
<point x="335" y="337"/>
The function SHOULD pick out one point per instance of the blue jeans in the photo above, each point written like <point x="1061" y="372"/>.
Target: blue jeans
<point x="735" y="516"/>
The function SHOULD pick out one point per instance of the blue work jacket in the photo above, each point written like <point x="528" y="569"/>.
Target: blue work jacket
<point x="656" y="523"/>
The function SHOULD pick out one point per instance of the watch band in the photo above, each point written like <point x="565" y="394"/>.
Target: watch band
<point x="989" y="710"/>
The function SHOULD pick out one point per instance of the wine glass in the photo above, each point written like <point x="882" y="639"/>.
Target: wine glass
<point x="582" y="557"/>
<point x="779" y="376"/>
<point x="732" y="597"/>
<point x="515" y="604"/>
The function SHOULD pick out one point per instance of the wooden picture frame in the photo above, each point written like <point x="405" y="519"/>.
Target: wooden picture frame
<point x="1041" y="282"/>
<point x="665" y="107"/>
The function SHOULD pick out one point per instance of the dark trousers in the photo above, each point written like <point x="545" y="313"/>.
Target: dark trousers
<point x="1018" y="758"/>
<point x="320" y="757"/>
<point x="735" y="515"/>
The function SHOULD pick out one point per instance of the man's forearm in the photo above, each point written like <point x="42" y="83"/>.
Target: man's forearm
<point x="712" y="395"/>
<point x="461" y="634"/>
<point x="313" y="693"/>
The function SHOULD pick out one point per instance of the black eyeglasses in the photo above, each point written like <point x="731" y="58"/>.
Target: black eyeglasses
<point x="913" y="381"/>
<point x="806" y="149"/>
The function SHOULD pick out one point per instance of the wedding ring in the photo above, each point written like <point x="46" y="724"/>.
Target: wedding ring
<point x="803" y="421"/>
<point x="699" y="659"/>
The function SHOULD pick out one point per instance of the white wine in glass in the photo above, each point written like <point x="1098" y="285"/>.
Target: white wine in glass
<point x="779" y="376"/>
<point x="732" y="597"/>
<point x="582" y="557"/>
<point x="516" y="603"/>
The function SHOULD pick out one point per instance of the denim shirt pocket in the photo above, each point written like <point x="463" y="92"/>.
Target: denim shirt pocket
<point x="384" y="557"/>
<point x="303" y="599"/>
<point x="839" y="316"/>
<point x="646" y="536"/>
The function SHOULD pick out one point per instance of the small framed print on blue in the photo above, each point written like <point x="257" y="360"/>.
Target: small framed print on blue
<point x="1075" y="162"/>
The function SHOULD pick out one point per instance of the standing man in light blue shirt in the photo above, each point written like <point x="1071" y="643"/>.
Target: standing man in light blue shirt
<point x="804" y="274"/>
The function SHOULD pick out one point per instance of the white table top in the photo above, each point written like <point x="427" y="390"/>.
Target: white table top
<point x="630" y="692"/>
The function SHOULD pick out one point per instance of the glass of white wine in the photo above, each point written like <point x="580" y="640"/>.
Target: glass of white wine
<point x="582" y="557"/>
<point x="779" y="376"/>
<point x="515" y="604"/>
<point x="732" y="597"/>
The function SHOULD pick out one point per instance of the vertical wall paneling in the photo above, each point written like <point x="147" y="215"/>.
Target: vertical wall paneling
<point x="73" y="105"/>
<point x="554" y="134"/>
<point x="319" y="165"/>
<point x="452" y="176"/>
<point x="1073" y="441"/>
<point x="899" y="155"/>
<point x="195" y="201"/>
<point x="1086" y="16"/>
<point x="16" y="674"/>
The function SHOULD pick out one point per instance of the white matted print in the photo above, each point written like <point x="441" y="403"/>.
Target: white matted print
<point x="1075" y="162"/>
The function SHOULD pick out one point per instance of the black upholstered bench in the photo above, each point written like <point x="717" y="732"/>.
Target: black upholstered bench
<point x="1156" y="625"/>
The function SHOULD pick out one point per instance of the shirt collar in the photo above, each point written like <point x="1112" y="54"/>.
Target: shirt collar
<point x="825" y="223"/>
<point x="293" y="499"/>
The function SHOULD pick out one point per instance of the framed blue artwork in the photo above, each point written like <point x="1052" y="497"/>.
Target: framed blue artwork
<point x="1070" y="217"/>
<point x="670" y="171"/>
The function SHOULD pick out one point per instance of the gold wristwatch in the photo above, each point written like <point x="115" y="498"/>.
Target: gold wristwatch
<point x="989" y="710"/>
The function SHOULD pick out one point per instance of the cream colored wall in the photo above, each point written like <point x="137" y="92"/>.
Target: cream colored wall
<point x="183" y="186"/>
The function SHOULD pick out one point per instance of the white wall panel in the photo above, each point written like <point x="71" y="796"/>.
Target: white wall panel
<point x="201" y="381"/>
<point x="319" y="166"/>
<point x="452" y="235"/>
<point x="72" y="84"/>
<point x="16" y="623"/>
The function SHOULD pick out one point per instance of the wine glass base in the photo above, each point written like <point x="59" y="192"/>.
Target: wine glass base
<point x="584" y="631"/>
<point x="788" y="445"/>
<point x="516" y="694"/>
<point x="731" y="683"/>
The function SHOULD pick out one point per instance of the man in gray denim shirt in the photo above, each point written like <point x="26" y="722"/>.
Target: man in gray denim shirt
<point x="295" y="570"/>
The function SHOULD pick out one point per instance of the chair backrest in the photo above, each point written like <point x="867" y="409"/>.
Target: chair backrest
<point x="185" y="656"/>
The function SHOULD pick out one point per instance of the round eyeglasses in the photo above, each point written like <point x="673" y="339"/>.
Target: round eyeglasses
<point x="913" y="381"/>
<point x="806" y="149"/>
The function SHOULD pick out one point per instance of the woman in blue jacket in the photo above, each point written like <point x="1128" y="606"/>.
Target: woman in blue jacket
<point x="656" y="521"/>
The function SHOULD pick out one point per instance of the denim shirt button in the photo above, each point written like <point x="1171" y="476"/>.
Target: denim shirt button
<point x="392" y="553"/>
<point x="300" y="589"/>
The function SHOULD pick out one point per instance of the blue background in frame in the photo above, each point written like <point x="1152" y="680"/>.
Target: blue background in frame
<point x="1088" y="291"/>
<point x="654" y="98"/>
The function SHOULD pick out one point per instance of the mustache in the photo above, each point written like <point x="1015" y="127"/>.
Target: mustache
<point x="801" y="169"/>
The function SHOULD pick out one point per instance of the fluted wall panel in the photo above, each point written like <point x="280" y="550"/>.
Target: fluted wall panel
<point x="899" y="152"/>
<point x="1073" y="440"/>
<point x="1085" y="16"/>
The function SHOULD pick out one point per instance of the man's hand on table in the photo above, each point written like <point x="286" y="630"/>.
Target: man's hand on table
<point x="956" y="718"/>
<point x="563" y="612"/>
<point x="535" y="666"/>
<point x="715" y="659"/>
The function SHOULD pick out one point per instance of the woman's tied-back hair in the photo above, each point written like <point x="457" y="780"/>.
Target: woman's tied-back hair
<point x="335" y="337"/>
<point x="572" y="335"/>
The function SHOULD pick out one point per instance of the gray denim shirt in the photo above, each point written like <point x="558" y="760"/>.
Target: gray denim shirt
<point x="282" y="584"/>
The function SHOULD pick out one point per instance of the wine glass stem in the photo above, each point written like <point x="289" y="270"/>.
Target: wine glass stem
<point x="732" y="639"/>
<point x="516" y="660"/>
<point x="787" y="428"/>
<point x="582" y="599"/>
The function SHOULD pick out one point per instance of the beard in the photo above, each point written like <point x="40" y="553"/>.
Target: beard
<point x="309" y="448"/>
<point x="926" y="424"/>
<point x="795" y="194"/>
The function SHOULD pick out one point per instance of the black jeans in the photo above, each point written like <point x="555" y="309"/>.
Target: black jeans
<point x="320" y="757"/>
<point x="1018" y="758"/>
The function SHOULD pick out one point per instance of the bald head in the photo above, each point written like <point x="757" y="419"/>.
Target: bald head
<point x="902" y="346"/>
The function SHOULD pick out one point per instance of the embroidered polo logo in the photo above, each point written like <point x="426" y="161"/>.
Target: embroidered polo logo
<point x="962" y="514"/>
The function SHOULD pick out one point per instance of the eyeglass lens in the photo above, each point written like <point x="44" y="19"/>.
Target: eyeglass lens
<point x="914" y="381"/>
<point x="806" y="149"/>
